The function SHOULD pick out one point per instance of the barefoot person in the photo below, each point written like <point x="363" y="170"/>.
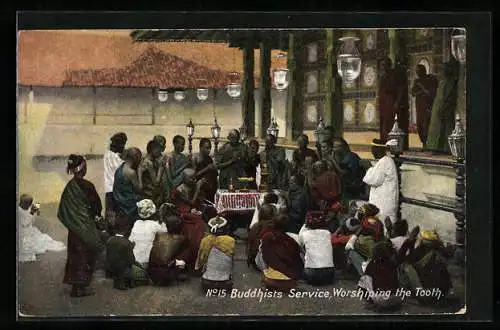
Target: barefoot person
<point x="78" y="209"/>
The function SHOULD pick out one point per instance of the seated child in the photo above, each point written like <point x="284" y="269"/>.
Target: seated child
<point x="339" y="240"/>
<point x="360" y="246"/>
<point x="266" y="215"/>
<point x="314" y="238"/>
<point x="120" y="261"/>
<point x="144" y="231"/>
<point x="215" y="256"/>
<point x="380" y="280"/>
<point x="428" y="258"/>
<point x="269" y="198"/>
<point x="165" y="261"/>
<point x="283" y="265"/>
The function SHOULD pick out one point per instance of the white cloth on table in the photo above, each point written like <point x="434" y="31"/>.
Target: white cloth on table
<point x="31" y="240"/>
<point x="318" y="247"/>
<point x="384" y="188"/>
<point x="143" y="234"/>
<point x="112" y="161"/>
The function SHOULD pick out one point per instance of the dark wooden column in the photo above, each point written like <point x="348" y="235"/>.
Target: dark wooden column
<point x="248" y="99"/>
<point x="334" y="109"/>
<point x="265" y="85"/>
<point x="294" y="113"/>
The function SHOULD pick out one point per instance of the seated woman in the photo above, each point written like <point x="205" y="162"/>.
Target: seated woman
<point x="186" y="199"/>
<point x="424" y="265"/>
<point x="398" y="232"/>
<point x="314" y="238"/>
<point x="266" y="214"/>
<point x="283" y="265"/>
<point x="339" y="240"/>
<point x="144" y="231"/>
<point x="215" y="257"/>
<point x="165" y="261"/>
<point x="32" y="240"/>
<point x="380" y="280"/>
<point x="360" y="246"/>
<point x="120" y="261"/>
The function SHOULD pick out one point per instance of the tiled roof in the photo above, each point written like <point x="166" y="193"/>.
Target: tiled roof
<point x="153" y="68"/>
<point x="46" y="57"/>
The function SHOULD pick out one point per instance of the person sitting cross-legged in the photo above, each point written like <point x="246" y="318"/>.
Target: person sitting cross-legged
<point x="215" y="256"/>
<point x="120" y="261"/>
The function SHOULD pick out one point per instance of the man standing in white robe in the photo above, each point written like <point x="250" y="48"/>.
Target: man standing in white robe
<point x="383" y="181"/>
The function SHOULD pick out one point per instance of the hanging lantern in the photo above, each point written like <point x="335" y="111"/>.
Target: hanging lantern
<point x="273" y="128"/>
<point x="234" y="90"/>
<point x="458" y="44"/>
<point x="281" y="79"/>
<point x="318" y="132"/>
<point x="349" y="59"/>
<point x="179" y="95"/>
<point x="215" y="129"/>
<point x="162" y="95"/>
<point x="456" y="140"/>
<point x="397" y="134"/>
<point x="190" y="128"/>
<point x="202" y="94"/>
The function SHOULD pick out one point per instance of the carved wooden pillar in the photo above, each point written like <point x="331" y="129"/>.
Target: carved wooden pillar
<point x="248" y="99"/>
<point x="333" y="102"/>
<point x="265" y="85"/>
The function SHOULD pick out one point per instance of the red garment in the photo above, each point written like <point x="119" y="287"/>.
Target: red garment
<point x="193" y="227"/>
<point x="340" y="239"/>
<point x="376" y="229"/>
<point x="326" y="189"/>
<point x="80" y="264"/>
<point x="384" y="274"/>
<point x="282" y="253"/>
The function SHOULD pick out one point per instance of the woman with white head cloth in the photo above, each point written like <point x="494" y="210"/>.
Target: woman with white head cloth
<point x="383" y="180"/>
<point x="144" y="231"/>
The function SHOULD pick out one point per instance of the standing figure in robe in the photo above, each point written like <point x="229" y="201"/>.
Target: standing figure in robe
<point x="232" y="159"/>
<point x="424" y="90"/>
<point x="443" y="109"/>
<point x="276" y="163"/>
<point x="386" y="98"/>
<point x="176" y="164"/>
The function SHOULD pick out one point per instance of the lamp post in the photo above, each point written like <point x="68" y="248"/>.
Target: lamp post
<point x="397" y="134"/>
<point x="456" y="140"/>
<point x="318" y="134"/>
<point x="190" y="132"/>
<point x="215" y="129"/>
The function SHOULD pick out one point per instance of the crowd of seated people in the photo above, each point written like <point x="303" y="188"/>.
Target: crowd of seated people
<point x="306" y="227"/>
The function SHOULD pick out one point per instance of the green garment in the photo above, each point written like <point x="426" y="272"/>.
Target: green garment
<point x="235" y="170"/>
<point x="278" y="168"/>
<point x="75" y="214"/>
<point x="177" y="163"/>
<point x="364" y="245"/>
<point x="443" y="115"/>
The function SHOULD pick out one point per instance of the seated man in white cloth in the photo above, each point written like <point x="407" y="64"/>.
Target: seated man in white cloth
<point x="31" y="240"/>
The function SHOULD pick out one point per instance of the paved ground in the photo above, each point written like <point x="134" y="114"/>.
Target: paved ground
<point x="41" y="292"/>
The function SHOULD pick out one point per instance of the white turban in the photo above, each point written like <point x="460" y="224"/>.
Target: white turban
<point x="146" y="208"/>
<point x="392" y="143"/>
<point x="216" y="223"/>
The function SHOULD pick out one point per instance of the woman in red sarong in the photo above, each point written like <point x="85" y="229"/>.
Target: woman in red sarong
<point x="186" y="198"/>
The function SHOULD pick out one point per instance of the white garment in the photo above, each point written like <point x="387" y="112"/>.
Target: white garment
<point x="31" y="240"/>
<point x="112" y="161"/>
<point x="143" y="234"/>
<point x="384" y="191"/>
<point x="398" y="241"/>
<point x="219" y="266"/>
<point x="318" y="247"/>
